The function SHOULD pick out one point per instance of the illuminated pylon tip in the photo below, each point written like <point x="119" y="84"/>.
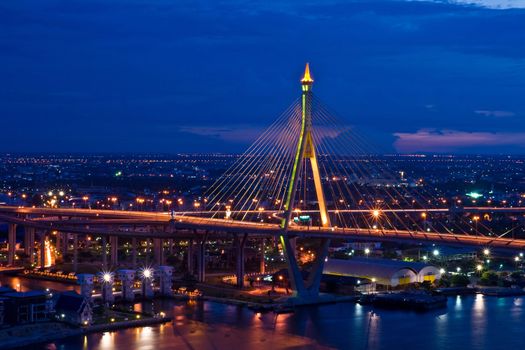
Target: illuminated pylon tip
<point x="307" y="78"/>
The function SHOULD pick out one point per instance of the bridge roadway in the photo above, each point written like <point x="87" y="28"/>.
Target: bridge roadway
<point x="162" y="225"/>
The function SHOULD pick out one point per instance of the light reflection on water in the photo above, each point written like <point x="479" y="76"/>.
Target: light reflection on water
<point x="478" y="323"/>
<point x="469" y="322"/>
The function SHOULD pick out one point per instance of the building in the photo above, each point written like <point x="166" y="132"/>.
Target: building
<point x="385" y="272"/>
<point x="26" y="307"/>
<point x="74" y="308"/>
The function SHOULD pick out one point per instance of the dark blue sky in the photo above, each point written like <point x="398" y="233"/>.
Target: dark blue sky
<point x="179" y="76"/>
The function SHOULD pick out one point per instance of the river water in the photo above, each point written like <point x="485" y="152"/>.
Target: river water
<point x="469" y="322"/>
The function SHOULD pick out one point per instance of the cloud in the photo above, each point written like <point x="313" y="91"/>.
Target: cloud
<point x="238" y="134"/>
<point x="490" y="4"/>
<point x="493" y="4"/>
<point x="431" y="140"/>
<point x="497" y="114"/>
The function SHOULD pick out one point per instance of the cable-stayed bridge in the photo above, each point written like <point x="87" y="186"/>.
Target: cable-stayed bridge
<point x="308" y="175"/>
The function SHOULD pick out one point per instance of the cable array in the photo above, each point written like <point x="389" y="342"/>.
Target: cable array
<point x="362" y="189"/>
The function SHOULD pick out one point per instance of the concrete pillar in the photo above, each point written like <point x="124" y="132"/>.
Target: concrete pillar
<point x="86" y="284"/>
<point x="29" y="242"/>
<point x="104" y="253"/>
<point x="11" y="241"/>
<point x="146" y="253"/>
<point x="158" y="251"/>
<point x="42" y="249"/>
<point x="134" y="252"/>
<point x="65" y="243"/>
<point x="113" y="244"/>
<point x="316" y="273"/>
<point x="262" y="262"/>
<point x="166" y="284"/>
<point x="147" y="284"/>
<point x="107" y="288"/>
<point x="240" y="242"/>
<point x="127" y="277"/>
<point x="170" y="246"/>
<point x="189" y="255"/>
<point x="75" y="252"/>
<point x="201" y="261"/>
<point x="293" y="244"/>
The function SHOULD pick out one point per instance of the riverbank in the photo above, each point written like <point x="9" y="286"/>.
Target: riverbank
<point x="45" y="332"/>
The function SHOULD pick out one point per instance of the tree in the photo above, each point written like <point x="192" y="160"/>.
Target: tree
<point x="459" y="281"/>
<point x="489" y="278"/>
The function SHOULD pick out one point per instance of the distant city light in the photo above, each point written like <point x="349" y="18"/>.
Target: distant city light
<point x="474" y="195"/>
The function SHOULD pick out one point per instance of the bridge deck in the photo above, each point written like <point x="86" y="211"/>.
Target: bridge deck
<point x="122" y="223"/>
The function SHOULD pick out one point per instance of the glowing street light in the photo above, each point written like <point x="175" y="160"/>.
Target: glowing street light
<point x="435" y="252"/>
<point x="479" y="267"/>
<point x="107" y="277"/>
<point x="147" y="272"/>
<point x="486" y="252"/>
<point x="376" y="213"/>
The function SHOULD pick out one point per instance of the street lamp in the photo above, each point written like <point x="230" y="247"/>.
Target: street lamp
<point x="486" y="252"/>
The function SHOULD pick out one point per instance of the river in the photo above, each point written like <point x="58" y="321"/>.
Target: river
<point x="469" y="322"/>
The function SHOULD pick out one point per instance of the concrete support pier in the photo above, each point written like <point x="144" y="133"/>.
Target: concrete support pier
<point x="104" y="253"/>
<point x="113" y="244"/>
<point x="134" y="252"/>
<point x="65" y="243"/>
<point x="201" y="261"/>
<point x="86" y="284"/>
<point x="127" y="277"/>
<point x="158" y="251"/>
<point x="240" y="242"/>
<point x="189" y="256"/>
<point x="29" y="242"/>
<point x="262" y="262"/>
<point x="11" y="242"/>
<point x="170" y="246"/>
<point x="75" y="252"/>
<point x="147" y="286"/>
<point x="107" y="288"/>
<point x="166" y="280"/>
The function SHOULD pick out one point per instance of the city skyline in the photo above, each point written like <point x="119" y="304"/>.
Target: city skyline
<point x="155" y="77"/>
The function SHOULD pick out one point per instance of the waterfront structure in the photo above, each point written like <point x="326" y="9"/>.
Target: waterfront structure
<point x="384" y="272"/>
<point x="26" y="307"/>
<point x="86" y="284"/>
<point x="107" y="281"/>
<point x="74" y="308"/>
<point x="165" y="280"/>
<point x="127" y="279"/>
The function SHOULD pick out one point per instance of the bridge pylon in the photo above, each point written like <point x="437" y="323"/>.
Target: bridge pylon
<point x="306" y="150"/>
